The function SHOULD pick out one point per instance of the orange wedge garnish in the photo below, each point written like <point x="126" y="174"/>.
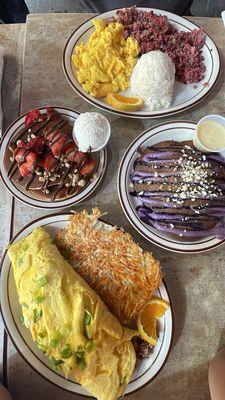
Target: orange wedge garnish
<point x="147" y="319"/>
<point x="124" y="103"/>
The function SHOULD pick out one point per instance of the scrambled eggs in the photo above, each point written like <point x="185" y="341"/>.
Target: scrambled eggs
<point x="106" y="62"/>
<point x="69" y="321"/>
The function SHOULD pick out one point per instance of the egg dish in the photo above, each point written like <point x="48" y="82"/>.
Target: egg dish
<point x="105" y="63"/>
<point x="138" y="54"/>
<point x="69" y="321"/>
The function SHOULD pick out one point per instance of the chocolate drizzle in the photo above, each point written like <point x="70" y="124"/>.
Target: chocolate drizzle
<point x="182" y="190"/>
<point x="55" y="136"/>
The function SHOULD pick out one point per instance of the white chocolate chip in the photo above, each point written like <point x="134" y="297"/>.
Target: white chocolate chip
<point x="81" y="183"/>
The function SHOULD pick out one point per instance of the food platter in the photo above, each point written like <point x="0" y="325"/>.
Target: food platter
<point x="29" y="197"/>
<point x="178" y="131"/>
<point x="184" y="97"/>
<point x="145" y="370"/>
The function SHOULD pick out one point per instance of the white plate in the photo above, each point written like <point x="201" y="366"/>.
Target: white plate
<point x="146" y="369"/>
<point x="185" y="96"/>
<point x="29" y="198"/>
<point x="176" y="130"/>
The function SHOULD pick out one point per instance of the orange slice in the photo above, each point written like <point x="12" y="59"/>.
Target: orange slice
<point x="147" y="319"/>
<point x="124" y="103"/>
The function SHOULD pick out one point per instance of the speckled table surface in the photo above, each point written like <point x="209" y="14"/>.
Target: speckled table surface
<point x="196" y="282"/>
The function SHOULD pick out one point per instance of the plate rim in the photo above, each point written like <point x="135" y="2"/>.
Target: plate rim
<point x="172" y="332"/>
<point x="48" y="205"/>
<point x="121" y="197"/>
<point x="102" y="106"/>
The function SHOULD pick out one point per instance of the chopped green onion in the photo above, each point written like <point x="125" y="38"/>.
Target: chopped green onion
<point x="53" y="343"/>
<point x="79" y="354"/>
<point x="66" y="330"/>
<point x="65" y="253"/>
<point x="25" y="305"/>
<point x="81" y="363"/>
<point x="38" y="299"/>
<point x="37" y="315"/>
<point x="22" y="319"/>
<point x="42" y="348"/>
<point x="66" y="352"/>
<point x="89" y="345"/>
<point x="42" y="281"/>
<point x="88" y="326"/>
<point x="55" y="363"/>
<point x="40" y="334"/>
<point x="87" y="318"/>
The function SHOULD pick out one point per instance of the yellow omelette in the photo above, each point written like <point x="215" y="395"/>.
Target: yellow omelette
<point x="69" y="321"/>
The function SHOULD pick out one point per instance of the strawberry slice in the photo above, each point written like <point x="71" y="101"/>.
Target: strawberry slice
<point x="52" y="134"/>
<point x="22" y="145"/>
<point x="79" y="157"/>
<point x="75" y="156"/>
<point x="49" y="162"/>
<point x="36" y="144"/>
<point x="70" y="149"/>
<point x="27" y="167"/>
<point x="69" y="146"/>
<point x="49" y="110"/>
<point x="57" y="146"/>
<point x="32" y="117"/>
<point x="88" y="167"/>
<point x="19" y="155"/>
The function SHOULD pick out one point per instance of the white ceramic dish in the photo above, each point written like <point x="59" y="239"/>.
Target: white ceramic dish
<point x="197" y="142"/>
<point x="29" y="198"/>
<point x="176" y="130"/>
<point x="184" y="97"/>
<point x="145" y="370"/>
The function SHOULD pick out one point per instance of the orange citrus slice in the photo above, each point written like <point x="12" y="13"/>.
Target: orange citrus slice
<point x="147" y="319"/>
<point x="124" y="103"/>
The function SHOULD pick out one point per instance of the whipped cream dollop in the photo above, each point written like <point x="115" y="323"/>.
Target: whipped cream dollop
<point x="91" y="131"/>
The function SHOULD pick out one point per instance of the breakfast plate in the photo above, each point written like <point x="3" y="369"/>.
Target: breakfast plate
<point x="176" y="131"/>
<point x="146" y="369"/>
<point x="184" y="95"/>
<point x="30" y="192"/>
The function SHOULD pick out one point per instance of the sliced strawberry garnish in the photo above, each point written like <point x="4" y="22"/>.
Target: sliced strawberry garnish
<point x="37" y="144"/>
<point x="88" y="167"/>
<point x="27" y="167"/>
<point x="70" y="149"/>
<point x="22" y="145"/>
<point x="52" y="134"/>
<point x="49" y="162"/>
<point x="32" y="117"/>
<point x="75" y="156"/>
<point x="19" y="154"/>
<point x="57" y="146"/>
<point x="79" y="157"/>
<point x="49" y="110"/>
<point x="69" y="146"/>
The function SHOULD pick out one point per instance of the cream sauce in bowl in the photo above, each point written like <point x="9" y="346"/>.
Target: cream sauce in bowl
<point x="210" y="134"/>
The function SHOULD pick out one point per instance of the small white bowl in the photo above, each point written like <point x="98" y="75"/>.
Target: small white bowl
<point x="108" y="133"/>
<point x="197" y="143"/>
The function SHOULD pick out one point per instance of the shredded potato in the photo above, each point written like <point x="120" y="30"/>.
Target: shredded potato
<point x="111" y="262"/>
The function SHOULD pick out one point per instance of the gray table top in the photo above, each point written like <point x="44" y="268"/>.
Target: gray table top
<point x="196" y="282"/>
